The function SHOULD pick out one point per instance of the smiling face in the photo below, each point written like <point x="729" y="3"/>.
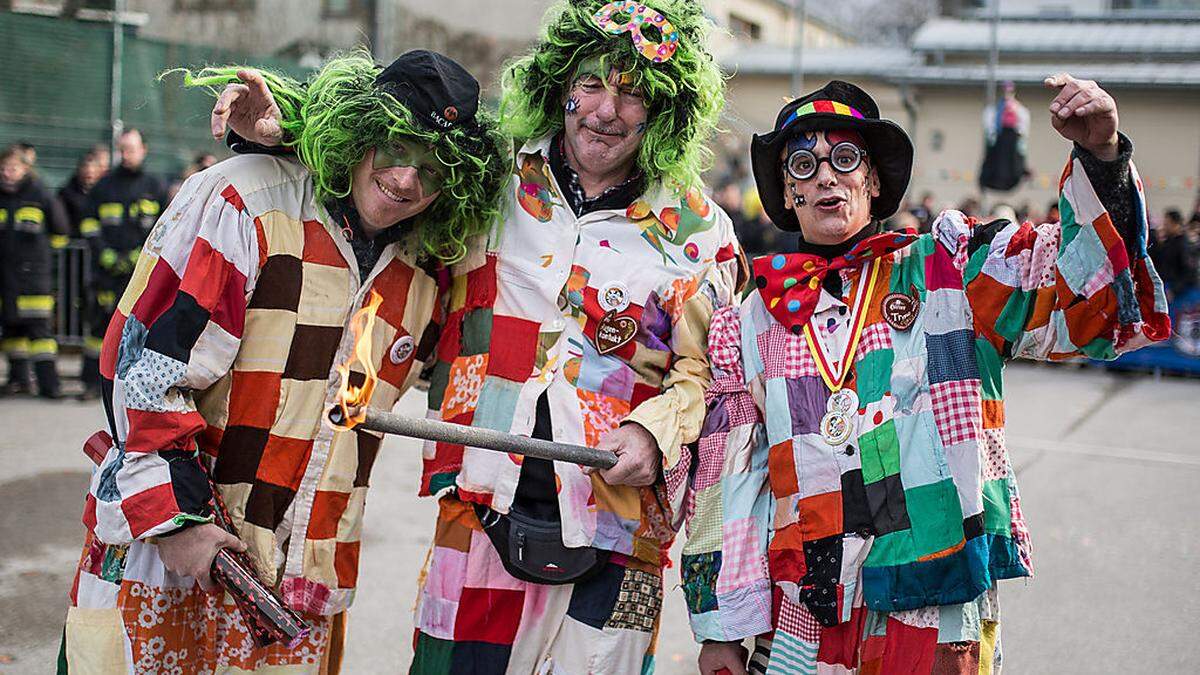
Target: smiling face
<point x="831" y="206"/>
<point x="386" y="193"/>
<point x="604" y="120"/>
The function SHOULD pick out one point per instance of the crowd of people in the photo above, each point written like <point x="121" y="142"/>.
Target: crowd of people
<point x="104" y="209"/>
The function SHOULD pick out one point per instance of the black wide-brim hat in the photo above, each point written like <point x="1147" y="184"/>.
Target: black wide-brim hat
<point x="837" y="105"/>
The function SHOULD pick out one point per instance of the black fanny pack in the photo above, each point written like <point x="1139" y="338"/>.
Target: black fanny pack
<point x="532" y="550"/>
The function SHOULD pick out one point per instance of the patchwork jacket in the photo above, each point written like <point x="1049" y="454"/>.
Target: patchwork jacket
<point x="608" y="314"/>
<point x="920" y="507"/>
<point x="222" y="362"/>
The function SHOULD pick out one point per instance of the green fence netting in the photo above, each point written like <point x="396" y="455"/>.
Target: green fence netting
<point x="55" y="92"/>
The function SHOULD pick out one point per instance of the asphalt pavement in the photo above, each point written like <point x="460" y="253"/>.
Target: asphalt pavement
<point x="1108" y="466"/>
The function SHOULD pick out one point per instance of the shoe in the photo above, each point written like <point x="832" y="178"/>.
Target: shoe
<point x="88" y="394"/>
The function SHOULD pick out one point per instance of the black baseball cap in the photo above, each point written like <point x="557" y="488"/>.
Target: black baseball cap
<point x="439" y="92"/>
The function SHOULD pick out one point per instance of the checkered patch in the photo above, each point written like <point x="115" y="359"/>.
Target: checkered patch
<point x="874" y="337"/>
<point x="956" y="406"/>
<point x="638" y="602"/>
<point x="712" y="459"/>
<point x="795" y="619"/>
<point x="743" y="561"/>
<point x="796" y="361"/>
<point x="724" y="341"/>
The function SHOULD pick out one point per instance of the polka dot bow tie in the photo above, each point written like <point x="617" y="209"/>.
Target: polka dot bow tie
<point x="790" y="284"/>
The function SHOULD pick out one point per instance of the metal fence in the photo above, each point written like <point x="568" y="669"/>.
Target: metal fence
<point x="72" y="266"/>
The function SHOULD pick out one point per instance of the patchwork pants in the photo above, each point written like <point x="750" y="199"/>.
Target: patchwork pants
<point x="473" y="617"/>
<point x="948" y="640"/>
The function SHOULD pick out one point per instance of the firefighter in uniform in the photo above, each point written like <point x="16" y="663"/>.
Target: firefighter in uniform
<point x="124" y="206"/>
<point x="29" y="217"/>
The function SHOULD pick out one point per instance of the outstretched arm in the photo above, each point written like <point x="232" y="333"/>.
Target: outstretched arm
<point x="1084" y="286"/>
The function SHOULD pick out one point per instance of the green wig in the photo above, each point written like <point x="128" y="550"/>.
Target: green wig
<point x="684" y="94"/>
<point x="332" y="120"/>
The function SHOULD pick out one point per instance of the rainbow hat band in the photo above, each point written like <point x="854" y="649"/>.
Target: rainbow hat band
<point x="626" y="16"/>
<point x="813" y="107"/>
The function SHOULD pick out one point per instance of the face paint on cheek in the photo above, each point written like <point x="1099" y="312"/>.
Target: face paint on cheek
<point x="572" y="105"/>
<point x="641" y="128"/>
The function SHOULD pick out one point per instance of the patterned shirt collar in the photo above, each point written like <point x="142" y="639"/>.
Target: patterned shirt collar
<point x="618" y="196"/>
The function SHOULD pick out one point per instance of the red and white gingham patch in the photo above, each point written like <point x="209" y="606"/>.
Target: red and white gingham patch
<point x="784" y="354"/>
<point x="874" y="337"/>
<point x="956" y="410"/>
<point x="741" y="409"/>
<point x="712" y="460"/>
<point x="795" y="619"/>
<point x="725" y="341"/>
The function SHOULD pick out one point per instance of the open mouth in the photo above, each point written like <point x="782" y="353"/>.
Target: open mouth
<point x="830" y="203"/>
<point x="391" y="195"/>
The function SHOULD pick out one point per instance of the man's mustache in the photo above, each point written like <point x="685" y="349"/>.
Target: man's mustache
<point x="606" y="129"/>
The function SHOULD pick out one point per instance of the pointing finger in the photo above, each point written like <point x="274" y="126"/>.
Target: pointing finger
<point x="1057" y="79"/>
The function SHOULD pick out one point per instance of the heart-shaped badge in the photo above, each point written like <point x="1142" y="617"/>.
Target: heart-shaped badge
<point x="614" y="332"/>
<point x="900" y="310"/>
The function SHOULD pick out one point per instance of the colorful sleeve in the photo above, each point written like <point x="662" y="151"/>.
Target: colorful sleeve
<point x="1057" y="290"/>
<point x="674" y="416"/>
<point x="177" y="330"/>
<point x="724" y="564"/>
<point x="456" y="375"/>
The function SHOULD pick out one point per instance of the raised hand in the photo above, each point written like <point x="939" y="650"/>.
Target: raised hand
<point x="1084" y="113"/>
<point x="249" y="110"/>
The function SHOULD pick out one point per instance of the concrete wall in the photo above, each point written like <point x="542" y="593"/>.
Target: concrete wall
<point x="777" y="20"/>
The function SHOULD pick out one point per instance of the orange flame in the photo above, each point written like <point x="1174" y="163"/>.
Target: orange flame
<point x="351" y="399"/>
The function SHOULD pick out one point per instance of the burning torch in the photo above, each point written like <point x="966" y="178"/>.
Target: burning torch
<point x="351" y="411"/>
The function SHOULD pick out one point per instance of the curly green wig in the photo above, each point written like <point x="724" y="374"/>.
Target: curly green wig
<point x="684" y="94"/>
<point x="339" y="114"/>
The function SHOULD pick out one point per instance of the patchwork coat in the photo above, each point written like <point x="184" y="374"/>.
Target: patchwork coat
<point x="607" y="313"/>
<point x="881" y="551"/>
<point x="221" y="360"/>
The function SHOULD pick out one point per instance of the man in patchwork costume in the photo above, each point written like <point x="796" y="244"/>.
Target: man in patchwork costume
<point x="583" y="321"/>
<point x="854" y="503"/>
<point x="220" y="363"/>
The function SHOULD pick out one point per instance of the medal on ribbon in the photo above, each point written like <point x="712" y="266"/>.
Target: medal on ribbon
<point x="837" y="425"/>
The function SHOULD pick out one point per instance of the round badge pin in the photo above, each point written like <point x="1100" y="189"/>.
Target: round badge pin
<point x="613" y="297"/>
<point x="835" y="428"/>
<point x="843" y="401"/>
<point x="402" y="349"/>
